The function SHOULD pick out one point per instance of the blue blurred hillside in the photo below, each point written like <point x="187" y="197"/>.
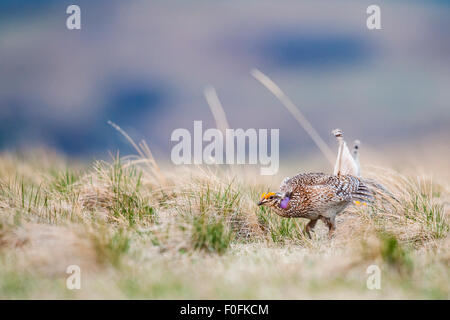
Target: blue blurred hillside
<point x="144" y="64"/>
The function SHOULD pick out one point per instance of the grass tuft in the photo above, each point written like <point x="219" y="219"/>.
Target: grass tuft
<point x="211" y="234"/>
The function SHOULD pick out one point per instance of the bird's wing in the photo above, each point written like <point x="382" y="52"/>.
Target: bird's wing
<point x="340" y="188"/>
<point x="322" y="197"/>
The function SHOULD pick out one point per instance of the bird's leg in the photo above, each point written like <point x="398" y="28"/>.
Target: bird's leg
<point x="311" y="224"/>
<point x="331" y="227"/>
<point x="331" y="224"/>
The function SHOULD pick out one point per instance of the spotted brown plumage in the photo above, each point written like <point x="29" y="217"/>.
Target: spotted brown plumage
<point x="317" y="196"/>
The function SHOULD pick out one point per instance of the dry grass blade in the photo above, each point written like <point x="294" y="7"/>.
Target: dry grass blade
<point x="145" y="154"/>
<point x="293" y="109"/>
<point x="130" y="140"/>
<point x="216" y="108"/>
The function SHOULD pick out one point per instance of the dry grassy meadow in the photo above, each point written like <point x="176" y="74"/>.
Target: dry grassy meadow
<point x="141" y="232"/>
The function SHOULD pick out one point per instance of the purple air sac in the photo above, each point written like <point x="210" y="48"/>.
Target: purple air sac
<point x="284" y="203"/>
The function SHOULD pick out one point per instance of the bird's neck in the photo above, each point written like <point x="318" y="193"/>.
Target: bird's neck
<point x="280" y="211"/>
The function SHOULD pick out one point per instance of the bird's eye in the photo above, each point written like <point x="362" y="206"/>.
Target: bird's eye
<point x="271" y="197"/>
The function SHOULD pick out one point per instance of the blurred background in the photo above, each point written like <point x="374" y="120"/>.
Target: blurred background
<point x="144" y="65"/>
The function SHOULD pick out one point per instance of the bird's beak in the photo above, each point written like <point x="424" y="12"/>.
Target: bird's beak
<point x="260" y="203"/>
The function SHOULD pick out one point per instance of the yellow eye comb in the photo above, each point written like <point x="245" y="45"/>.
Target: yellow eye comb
<point x="267" y="195"/>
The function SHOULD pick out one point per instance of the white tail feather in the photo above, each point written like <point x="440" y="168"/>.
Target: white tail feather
<point x="345" y="163"/>
<point x="356" y="156"/>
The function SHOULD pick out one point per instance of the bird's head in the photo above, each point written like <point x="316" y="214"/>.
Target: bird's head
<point x="275" y="200"/>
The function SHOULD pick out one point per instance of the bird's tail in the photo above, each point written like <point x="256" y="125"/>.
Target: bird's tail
<point x="370" y="189"/>
<point x="364" y="194"/>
